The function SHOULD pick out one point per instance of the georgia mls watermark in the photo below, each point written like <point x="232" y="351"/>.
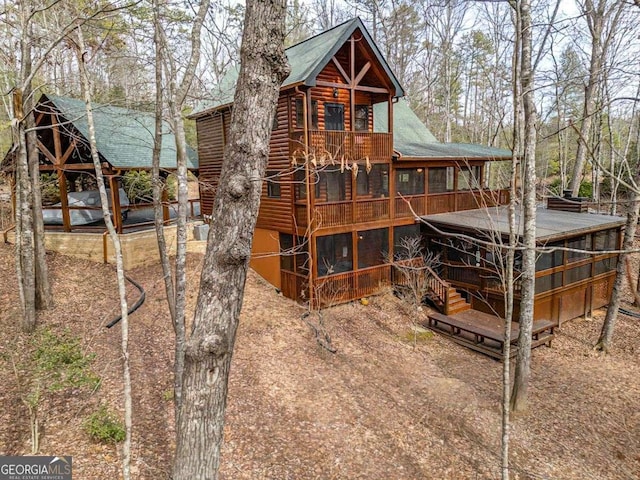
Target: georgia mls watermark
<point x="35" y="468"/>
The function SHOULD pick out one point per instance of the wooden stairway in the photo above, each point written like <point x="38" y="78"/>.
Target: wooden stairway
<point x="445" y="297"/>
<point x="455" y="303"/>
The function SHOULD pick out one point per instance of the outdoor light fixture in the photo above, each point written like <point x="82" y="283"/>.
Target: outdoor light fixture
<point x="335" y="92"/>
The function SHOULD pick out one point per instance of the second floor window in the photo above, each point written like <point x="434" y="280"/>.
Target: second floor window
<point x="273" y="184"/>
<point x="333" y="116"/>
<point x="300" y="113"/>
<point x="361" y="118"/>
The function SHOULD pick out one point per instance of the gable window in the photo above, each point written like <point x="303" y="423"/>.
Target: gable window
<point x="333" y="116"/>
<point x="361" y="118"/>
<point x="441" y="180"/>
<point x="273" y="184"/>
<point x="410" y="181"/>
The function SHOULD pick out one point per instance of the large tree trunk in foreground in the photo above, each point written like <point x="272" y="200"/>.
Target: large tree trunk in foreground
<point x="523" y="362"/>
<point x="604" y="342"/>
<point x="210" y="346"/>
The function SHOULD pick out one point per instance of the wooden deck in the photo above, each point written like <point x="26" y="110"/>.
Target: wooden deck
<point x="485" y="333"/>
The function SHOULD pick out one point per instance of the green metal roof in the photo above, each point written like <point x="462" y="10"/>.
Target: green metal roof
<point x="413" y="140"/>
<point x="306" y="59"/>
<point x="124" y="137"/>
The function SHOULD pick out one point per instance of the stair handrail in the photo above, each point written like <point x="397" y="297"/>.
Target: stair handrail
<point x="440" y="288"/>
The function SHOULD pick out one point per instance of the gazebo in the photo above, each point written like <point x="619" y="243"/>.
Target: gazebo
<point x="124" y="140"/>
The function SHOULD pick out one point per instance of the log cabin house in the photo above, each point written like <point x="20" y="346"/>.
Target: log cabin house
<point x="351" y="172"/>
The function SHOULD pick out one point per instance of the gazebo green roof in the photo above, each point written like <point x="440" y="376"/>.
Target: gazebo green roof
<point x="306" y="59"/>
<point x="124" y="137"/>
<point x="413" y="140"/>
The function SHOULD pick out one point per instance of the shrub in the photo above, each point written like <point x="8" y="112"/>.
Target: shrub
<point x="138" y="184"/>
<point x="60" y="362"/>
<point x="586" y="188"/>
<point x="50" y="188"/>
<point x="103" y="426"/>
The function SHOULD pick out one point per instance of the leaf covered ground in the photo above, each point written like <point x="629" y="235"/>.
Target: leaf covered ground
<point x="382" y="407"/>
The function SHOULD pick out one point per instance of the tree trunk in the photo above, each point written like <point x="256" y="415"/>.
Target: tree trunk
<point x="523" y="363"/>
<point x="117" y="247"/>
<point x="606" y="334"/>
<point x="43" y="298"/>
<point x="210" y="346"/>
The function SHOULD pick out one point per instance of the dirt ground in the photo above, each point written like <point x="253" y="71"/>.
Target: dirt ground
<point x="379" y="408"/>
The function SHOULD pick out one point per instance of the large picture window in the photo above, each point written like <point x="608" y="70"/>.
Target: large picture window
<point x="440" y="179"/>
<point x="335" y="254"/>
<point x="373" y="245"/>
<point x="469" y="178"/>
<point x="375" y="183"/>
<point x="410" y="181"/>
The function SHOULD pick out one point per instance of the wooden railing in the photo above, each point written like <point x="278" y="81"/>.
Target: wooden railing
<point x="405" y="205"/>
<point x="343" y="287"/>
<point x="439" y="287"/>
<point x="344" y="213"/>
<point x="351" y="145"/>
<point x="294" y="285"/>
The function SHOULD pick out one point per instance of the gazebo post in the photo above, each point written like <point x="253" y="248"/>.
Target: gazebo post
<point x="165" y="202"/>
<point x="114" y="185"/>
<point x="64" y="200"/>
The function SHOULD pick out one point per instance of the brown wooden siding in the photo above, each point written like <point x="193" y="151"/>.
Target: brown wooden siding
<point x="210" y="153"/>
<point x="275" y="213"/>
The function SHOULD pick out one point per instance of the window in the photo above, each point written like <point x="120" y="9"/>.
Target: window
<point x="550" y="259"/>
<point x="548" y="282"/>
<point x="335" y="254"/>
<point x="375" y="183"/>
<point x="332" y="186"/>
<point x="333" y="116"/>
<point x="361" y="118"/>
<point x="605" y="265"/>
<point x="576" y="274"/>
<point x="440" y="179"/>
<point x="401" y="235"/>
<point x="300" y="113"/>
<point x="299" y="184"/>
<point x="373" y="246"/>
<point x="580" y="243"/>
<point x="410" y="181"/>
<point x="286" y="252"/>
<point x="605" y="240"/>
<point x="273" y="184"/>
<point x="469" y="178"/>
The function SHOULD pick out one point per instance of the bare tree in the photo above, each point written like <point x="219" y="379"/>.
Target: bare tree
<point x="177" y="95"/>
<point x="117" y="247"/>
<point x="603" y="18"/>
<point x="527" y="131"/>
<point x="210" y="345"/>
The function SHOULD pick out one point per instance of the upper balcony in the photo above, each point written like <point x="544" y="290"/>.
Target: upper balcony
<point x="338" y="144"/>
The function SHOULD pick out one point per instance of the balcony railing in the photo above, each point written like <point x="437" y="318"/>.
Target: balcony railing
<point x="336" y="144"/>
<point x="344" y="213"/>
